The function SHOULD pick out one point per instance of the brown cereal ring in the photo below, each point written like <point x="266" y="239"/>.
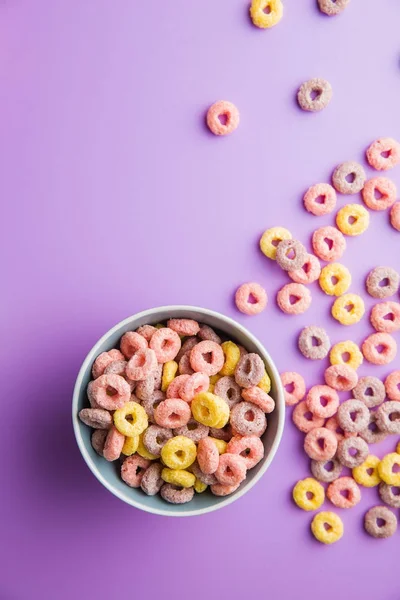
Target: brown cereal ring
<point x="97" y="418"/>
<point x="150" y="404"/>
<point x="227" y="389"/>
<point x="290" y="255"/>
<point x="341" y="377"/>
<point x="294" y="299"/>
<point x="388" y="417"/>
<point x="152" y="482"/>
<point x="176" y="495"/>
<point x="184" y="365"/>
<point x="380" y="522"/>
<point x="225" y="433"/>
<point x="154" y="438"/>
<point x="382" y="282"/>
<point x="314" y="95"/>
<point x="322" y="401"/>
<point x="197" y="472"/>
<point x="379" y="193"/>
<point x="248" y="419"/>
<point x="349" y="178"/>
<point x="392" y="386"/>
<point x="352" y="452"/>
<point x="328" y="243"/>
<point x="372" y="434"/>
<point x="388" y="496"/>
<point x="353" y="416"/>
<point x="207" y="333"/>
<point x="98" y="440"/>
<point x="332" y="7"/>
<point x="187" y="346"/>
<point x="320" y="199"/>
<point x="193" y="430"/>
<point x="379" y="348"/>
<point x="370" y="390"/>
<point x="145" y="388"/>
<point x="249" y="370"/>
<point x="314" y="343"/>
<point x="118" y="367"/>
<point x="383" y="154"/>
<point x="385" y="317"/>
<point x="304" y="419"/>
<point x="322" y="473"/>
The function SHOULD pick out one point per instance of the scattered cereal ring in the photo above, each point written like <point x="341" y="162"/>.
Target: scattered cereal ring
<point x="222" y="117"/>
<point x="198" y="473"/>
<point x="314" y="95"/>
<point x="271" y="238"/>
<point x="172" y="413"/>
<point x="308" y="273"/>
<point x="251" y="298"/>
<point x="98" y="440"/>
<point x="388" y="417"/>
<point x="386" y="469"/>
<point x="294" y="387"/>
<point x="379" y="348"/>
<point x="395" y="216"/>
<point x="133" y="469"/>
<point x="219" y="489"/>
<point x="341" y="377"/>
<point x="145" y="388"/>
<point x="352" y="452"/>
<point x="187" y="346"/>
<point x="130" y="445"/>
<point x="231" y="469"/>
<point x="98" y="418"/>
<point x="203" y="351"/>
<point x="184" y="365"/>
<point x="176" y="495"/>
<point x="138" y="419"/>
<point x="294" y="298"/>
<point x="151" y="481"/>
<point x="314" y="342"/>
<point x="335" y="279"/>
<point x="308" y="494"/>
<point x="322" y="401"/>
<point x="110" y="391"/>
<point x="131" y="342"/>
<point x="193" y="430"/>
<point x="210" y="410"/>
<point x="367" y="474"/>
<point x="265" y="383"/>
<point x="352" y="219"/>
<point x="249" y="370"/>
<point x="320" y="444"/>
<point x="195" y="384"/>
<point x="179" y="452"/>
<point x="372" y="434"/>
<point x="178" y="477"/>
<point x="327" y="527"/>
<point x="385" y="317"/>
<point x="248" y="419"/>
<point x="142" y="363"/>
<point x="221" y="445"/>
<point x="346" y="353"/>
<point x="166" y="344"/>
<point x="207" y="456"/>
<point x="328" y="243"/>
<point x="257" y="396"/>
<point x="249" y="447"/>
<point x="155" y="437"/>
<point x="168" y="374"/>
<point x="382" y="282"/>
<point x="113" y="444"/>
<point x="207" y="333"/>
<point x="146" y="331"/>
<point x="232" y="356"/>
<point x="150" y="404"/>
<point x="349" y="487"/>
<point x="379" y="193"/>
<point x="266" y="13"/>
<point x="353" y="416"/>
<point x="384" y="154"/>
<point x="348" y="309"/>
<point x="388" y="496"/>
<point x="369" y="390"/>
<point x="319" y="468"/>
<point x="103" y="360"/>
<point x="320" y="199"/>
<point x="380" y="522"/>
<point x="199" y="486"/>
<point x="290" y="255"/>
<point x="333" y="424"/>
<point x="184" y="326"/>
<point x="392" y="386"/>
<point x="304" y="419"/>
<point x="227" y="389"/>
<point x="332" y="7"/>
<point x="349" y="178"/>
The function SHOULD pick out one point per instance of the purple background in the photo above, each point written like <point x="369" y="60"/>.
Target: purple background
<point x="118" y="199"/>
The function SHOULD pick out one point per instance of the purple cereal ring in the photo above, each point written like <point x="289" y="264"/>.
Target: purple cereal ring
<point x="197" y="472"/>
<point x="248" y="419"/>
<point x="203" y="351"/>
<point x="369" y="390"/>
<point x="142" y="364"/>
<point x="388" y="417"/>
<point x="98" y="440"/>
<point x="382" y="282"/>
<point x="385" y="317"/>
<point x="172" y="413"/>
<point x="291" y="255"/>
<point x="372" y="434"/>
<point x="184" y="365"/>
<point x="97" y="418"/>
<point x="166" y="344"/>
<point x="353" y="416"/>
<point x="150" y="404"/>
<point x="320" y="199"/>
<point x="152" y="482"/>
<point x="131" y="342"/>
<point x="186" y="347"/>
<point x="341" y="377"/>
<point x="328" y="243"/>
<point x="146" y="331"/>
<point x="294" y="298"/>
<point x="352" y="452"/>
<point x="321" y="472"/>
<point x="175" y="495"/>
<point x="388" y="496"/>
<point x="249" y="447"/>
<point x="154" y="438"/>
<point x="195" y="384"/>
<point x="380" y="522"/>
<point x="207" y="456"/>
<point x="110" y="391"/>
<point x="320" y="444"/>
<point x="314" y="343"/>
<point x="227" y="389"/>
<point x="231" y="469"/>
<point x="249" y="370"/>
<point x="225" y="433"/>
<point x="194" y="430"/>
<point x="304" y="419"/>
<point x="314" y="95"/>
<point x="332" y="7"/>
<point x="113" y="444"/>
<point x="220" y="489"/>
<point x="392" y="386"/>
<point x="118" y="367"/>
<point x="379" y="193"/>
<point x="184" y="326"/>
<point x="103" y="360"/>
<point x="322" y="401"/>
<point x="133" y="469"/>
<point x="207" y="333"/>
<point x="145" y="388"/>
<point x="349" y="178"/>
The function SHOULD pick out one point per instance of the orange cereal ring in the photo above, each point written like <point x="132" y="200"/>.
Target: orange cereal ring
<point x="379" y="348"/>
<point x="103" y="360"/>
<point x="98" y="440"/>
<point x="320" y="199"/>
<point x="309" y="272"/>
<point x="110" y="391"/>
<point x="328" y="243"/>
<point x="251" y="298"/>
<point x="222" y="118"/>
<point x="341" y="377"/>
<point x="379" y="193"/>
<point x="344" y="484"/>
<point x="294" y="299"/>
<point x="175" y="387"/>
<point x="383" y="154"/>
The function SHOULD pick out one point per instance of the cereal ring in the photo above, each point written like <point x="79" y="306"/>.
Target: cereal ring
<point x="314" y="342"/>
<point x="220" y="444"/>
<point x="266" y="13"/>
<point x="327" y="527"/>
<point x="166" y="344"/>
<point x="341" y="377"/>
<point x="110" y="391"/>
<point x="184" y="326"/>
<point x="294" y="387"/>
<point x="175" y="387"/>
<point x="346" y="353"/>
<point x="152" y="481"/>
<point x="227" y="389"/>
<point x="320" y="444"/>
<point x="157" y="374"/>
<point x="314" y="95"/>
<point x="194" y="430"/>
<point x="133" y="469"/>
<point x="372" y="434"/>
<point x="379" y="193"/>
<point x="219" y="489"/>
<point x="265" y="383"/>
<point x="231" y="469"/>
<point x="248" y="419"/>
<point x="291" y="255"/>
<point x="383" y="154"/>
<point x="210" y="410"/>
<point x="142" y="364"/>
<point x="257" y="396"/>
<point x="186" y="347"/>
<point x="251" y="298"/>
<point x="118" y="367"/>
<point x="395" y="216"/>
<point x="198" y="473"/>
<point x="319" y="468"/>
<point x="131" y="445"/>
<point x="380" y="522"/>
<point x="385" y="317"/>
<point x="348" y="309"/>
<point x="320" y="199"/>
<point x="353" y="416"/>
<point x="370" y="390"/>
<point x="352" y="452"/>
<point x="367" y="474"/>
<point x="131" y="342"/>
<point x="97" y="418"/>
<point x="184" y="365"/>
<point x="308" y="273"/>
<point x="249" y="370"/>
<point x="113" y="444"/>
<point x="207" y="456"/>
<point x="388" y="494"/>
<point x="142" y="450"/>
<point x="388" y="417"/>
<point x="304" y="419"/>
<point x="349" y="487"/>
<point x="232" y="355"/>
<point x="249" y="447"/>
<point x="172" y="413"/>
<point x="386" y="469"/>
<point x="379" y="348"/>
<point x="175" y="495"/>
<point x="349" y="178"/>
<point x="138" y="419"/>
<point x="144" y="389"/>
<point x="207" y="357"/>
<point x="352" y="219"/>
<point x="146" y="331"/>
<point x="195" y="384"/>
<point x="382" y="282"/>
<point x="222" y="117"/>
<point x="178" y="477"/>
<point x="333" y="424"/>
<point x="155" y="437"/>
<point x="308" y="494"/>
<point x="98" y="440"/>
<point x="103" y="360"/>
<point x="271" y="238"/>
<point x="168" y="374"/>
<point x="392" y="386"/>
<point x="322" y="401"/>
<point x="328" y="243"/>
<point x="199" y="486"/>
<point x="225" y="433"/>
<point x="179" y="452"/>
<point x="150" y="404"/>
<point x="207" y="333"/>
<point x="332" y="7"/>
<point x="335" y="279"/>
<point x="294" y="298"/>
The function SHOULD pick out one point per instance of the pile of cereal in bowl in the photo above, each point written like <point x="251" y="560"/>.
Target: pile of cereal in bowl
<point x="180" y="409"/>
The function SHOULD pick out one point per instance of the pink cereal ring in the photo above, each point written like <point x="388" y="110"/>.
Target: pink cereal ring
<point x="196" y="383"/>
<point x="110" y="391"/>
<point x="133" y="468"/>
<point x="333" y="425"/>
<point x="352" y="494"/>
<point x="117" y="367"/>
<point x="322" y="401"/>
<point x="392" y="386"/>
<point x="395" y="216"/>
<point x="184" y="326"/>
<point x="175" y="387"/>
<point x="379" y="348"/>
<point x="384" y="154"/>
<point x="308" y="273"/>
<point x="249" y="447"/>
<point x="166" y="343"/>
<point x="328" y="243"/>
<point x="131" y="342"/>
<point x="184" y="365"/>
<point x="141" y="365"/>
<point x="320" y="199"/>
<point x="295" y="387"/>
<point x="385" y="317"/>
<point x="341" y="377"/>
<point x="113" y="444"/>
<point x="257" y="396"/>
<point x="146" y="331"/>
<point x="304" y="419"/>
<point x="222" y="117"/>
<point x="207" y="456"/>
<point x="103" y="360"/>
<point x="172" y="413"/>
<point x="294" y="299"/>
<point x="251" y="298"/>
<point x="320" y="444"/>
<point x="203" y="351"/>
<point x="231" y="469"/>
<point x="219" y="489"/>
<point x="384" y="188"/>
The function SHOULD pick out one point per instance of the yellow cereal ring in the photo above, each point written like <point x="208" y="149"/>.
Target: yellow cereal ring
<point x="271" y="238"/>
<point x="352" y="219"/>
<point x="398" y="448"/>
<point x="367" y="474"/>
<point x="335" y="279"/>
<point x="138" y="423"/>
<point x="199" y="486"/>
<point x="130" y="445"/>
<point x="159" y="326"/>
<point x="213" y="381"/>
<point x="210" y="410"/>
<point x="178" y="477"/>
<point x="232" y="356"/>
<point x="265" y="383"/>
<point x="264" y="19"/>
<point x="348" y="309"/>
<point x="168" y="374"/>
<point x="305" y="487"/>
<point x="327" y="527"/>
<point x="385" y="469"/>
<point x="143" y="452"/>
<point x="179" y="452"/>
<point x="346" y="353"/>
<point x="221" y="445"/>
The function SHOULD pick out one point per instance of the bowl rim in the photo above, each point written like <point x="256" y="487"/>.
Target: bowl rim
<point x="148" y="313"/>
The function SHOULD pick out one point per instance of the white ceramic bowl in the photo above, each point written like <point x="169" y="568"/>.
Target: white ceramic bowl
<point x="108" y="473"/>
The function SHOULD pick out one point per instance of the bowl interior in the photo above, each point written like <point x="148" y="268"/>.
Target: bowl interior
<point x="108" y="473"/>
